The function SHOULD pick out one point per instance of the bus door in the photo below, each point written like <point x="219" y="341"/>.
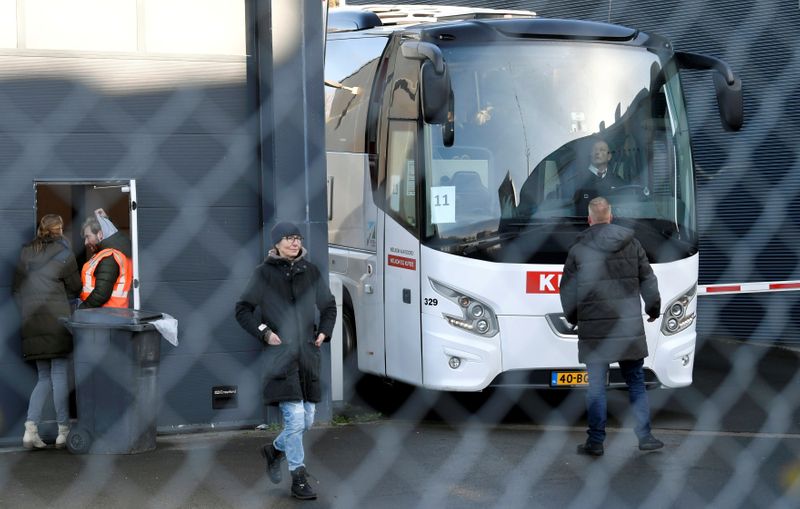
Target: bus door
<point x="401" y="257"/>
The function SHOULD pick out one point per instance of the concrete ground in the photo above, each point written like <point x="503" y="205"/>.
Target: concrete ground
<point x="732" y="440"/>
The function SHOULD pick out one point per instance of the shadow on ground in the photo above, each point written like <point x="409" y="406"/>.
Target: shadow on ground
<point x="737" y="387"/>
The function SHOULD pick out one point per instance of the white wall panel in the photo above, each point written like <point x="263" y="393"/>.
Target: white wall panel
<point x="8" y="23"/>
<point x="89" y="25"/>
<point x="214" y="27"/>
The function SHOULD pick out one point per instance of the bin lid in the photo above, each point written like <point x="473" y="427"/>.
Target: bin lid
<point x="113" y="316"/>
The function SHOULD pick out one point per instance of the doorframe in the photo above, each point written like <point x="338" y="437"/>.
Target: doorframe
<point x="127" y="186"/>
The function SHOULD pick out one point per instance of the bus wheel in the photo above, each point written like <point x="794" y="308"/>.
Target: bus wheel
<point x="350" y="371"/>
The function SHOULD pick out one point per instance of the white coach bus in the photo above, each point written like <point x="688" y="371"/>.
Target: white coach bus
<point x="455" y="138"/>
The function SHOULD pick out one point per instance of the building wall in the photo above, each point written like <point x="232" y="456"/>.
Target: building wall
<point x="748" y="183"/>
<point x="157" y="91"/>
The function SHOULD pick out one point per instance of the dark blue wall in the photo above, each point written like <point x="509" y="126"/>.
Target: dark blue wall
<point x="192" y="147"/>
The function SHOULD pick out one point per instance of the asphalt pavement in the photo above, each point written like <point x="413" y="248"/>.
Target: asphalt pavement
<point x="732" y="440"/>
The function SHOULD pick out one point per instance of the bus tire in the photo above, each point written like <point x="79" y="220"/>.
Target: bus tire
<point x="350" y="371"/>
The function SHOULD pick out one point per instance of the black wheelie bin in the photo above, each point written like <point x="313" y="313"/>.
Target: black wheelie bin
<point x="116" y="357"/>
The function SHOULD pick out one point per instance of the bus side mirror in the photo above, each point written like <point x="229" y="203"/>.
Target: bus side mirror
<point x="435" y="93"/>
<point x="728" y="86"/>
<point x="434" y="80"/>
<point x="730" y="102"/>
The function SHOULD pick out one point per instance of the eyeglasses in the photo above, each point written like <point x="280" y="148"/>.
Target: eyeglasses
<point x="293" y="238"/>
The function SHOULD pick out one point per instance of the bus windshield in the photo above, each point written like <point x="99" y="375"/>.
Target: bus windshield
<point x="514" y="185"/>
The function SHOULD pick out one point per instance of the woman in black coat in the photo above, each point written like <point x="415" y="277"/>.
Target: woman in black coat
<point x="288" y="290"/>
<point x="45" y="280"/>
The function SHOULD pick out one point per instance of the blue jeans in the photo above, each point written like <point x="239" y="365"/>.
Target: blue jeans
<point x="633" y="374"/>
<point x="52" y="377"/>
<point x="298" y="416"/>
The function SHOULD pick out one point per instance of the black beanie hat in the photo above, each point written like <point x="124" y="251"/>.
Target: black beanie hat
<point x="283" y="229"/>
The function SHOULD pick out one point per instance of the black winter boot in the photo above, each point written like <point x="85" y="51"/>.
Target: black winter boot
<point x="591" y="448"/>
<point x="274" y="458"/>
<point x="300" y="487"/>
<point x="650" y="443"/>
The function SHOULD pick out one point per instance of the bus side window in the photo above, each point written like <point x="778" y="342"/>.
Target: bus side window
<point x="350" y="66"/>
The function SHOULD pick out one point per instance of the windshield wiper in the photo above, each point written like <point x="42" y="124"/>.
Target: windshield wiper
<point x="471" y="247"/>
<point x="486" y="242"/>
<point x="537" y="223"/>
<point x="666" y="229"/>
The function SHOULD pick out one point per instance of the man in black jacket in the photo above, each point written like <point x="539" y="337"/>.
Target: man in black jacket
<point x="605" y="273"/>
<point x="287" y="290"/>
<point x="108" y="275"/>
<point x="596" y="180"/>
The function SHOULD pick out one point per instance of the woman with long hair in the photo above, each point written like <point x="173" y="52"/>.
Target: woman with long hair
<point x="45" y="280"/>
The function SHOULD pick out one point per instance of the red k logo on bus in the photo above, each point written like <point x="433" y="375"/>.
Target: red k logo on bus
<point x="542" y="282"/>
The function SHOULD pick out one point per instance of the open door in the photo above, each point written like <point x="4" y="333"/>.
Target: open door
<point x="74" y="201"/>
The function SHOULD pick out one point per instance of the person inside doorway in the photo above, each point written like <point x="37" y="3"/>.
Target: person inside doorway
<point x="108" y="274"/>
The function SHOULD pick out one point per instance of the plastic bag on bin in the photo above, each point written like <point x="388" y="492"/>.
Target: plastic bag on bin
<point x="168" y="327"/>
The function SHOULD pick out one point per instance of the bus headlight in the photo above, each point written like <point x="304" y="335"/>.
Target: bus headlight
<point x="476" y="316"/>
<point x="677" y="317"/>
<point x="672" y="325"/>
<point x="476" y="310"/>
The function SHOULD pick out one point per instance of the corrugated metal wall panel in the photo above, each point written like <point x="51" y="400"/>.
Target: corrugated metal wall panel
<point x="183" y="129"/>
<point x="748" y="183"/>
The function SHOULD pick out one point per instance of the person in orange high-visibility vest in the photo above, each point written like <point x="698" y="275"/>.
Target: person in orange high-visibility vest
<point x="108" y="274"/>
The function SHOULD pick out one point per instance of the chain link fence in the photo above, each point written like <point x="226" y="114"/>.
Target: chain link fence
<point x="188" y="136"/>
<point x="731" y="440"/>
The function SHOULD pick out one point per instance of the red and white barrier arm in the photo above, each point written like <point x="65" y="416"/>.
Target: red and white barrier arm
<point x="769" y="286"/>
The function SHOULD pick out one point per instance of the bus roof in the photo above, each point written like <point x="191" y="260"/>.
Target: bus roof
<point x="440" y="24"/>
<point x="373" y="15"/>
<point x="414" y="14"/>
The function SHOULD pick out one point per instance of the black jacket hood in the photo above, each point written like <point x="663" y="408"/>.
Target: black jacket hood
<point x="606" y="237"/>
<point x="274" y="257"/>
